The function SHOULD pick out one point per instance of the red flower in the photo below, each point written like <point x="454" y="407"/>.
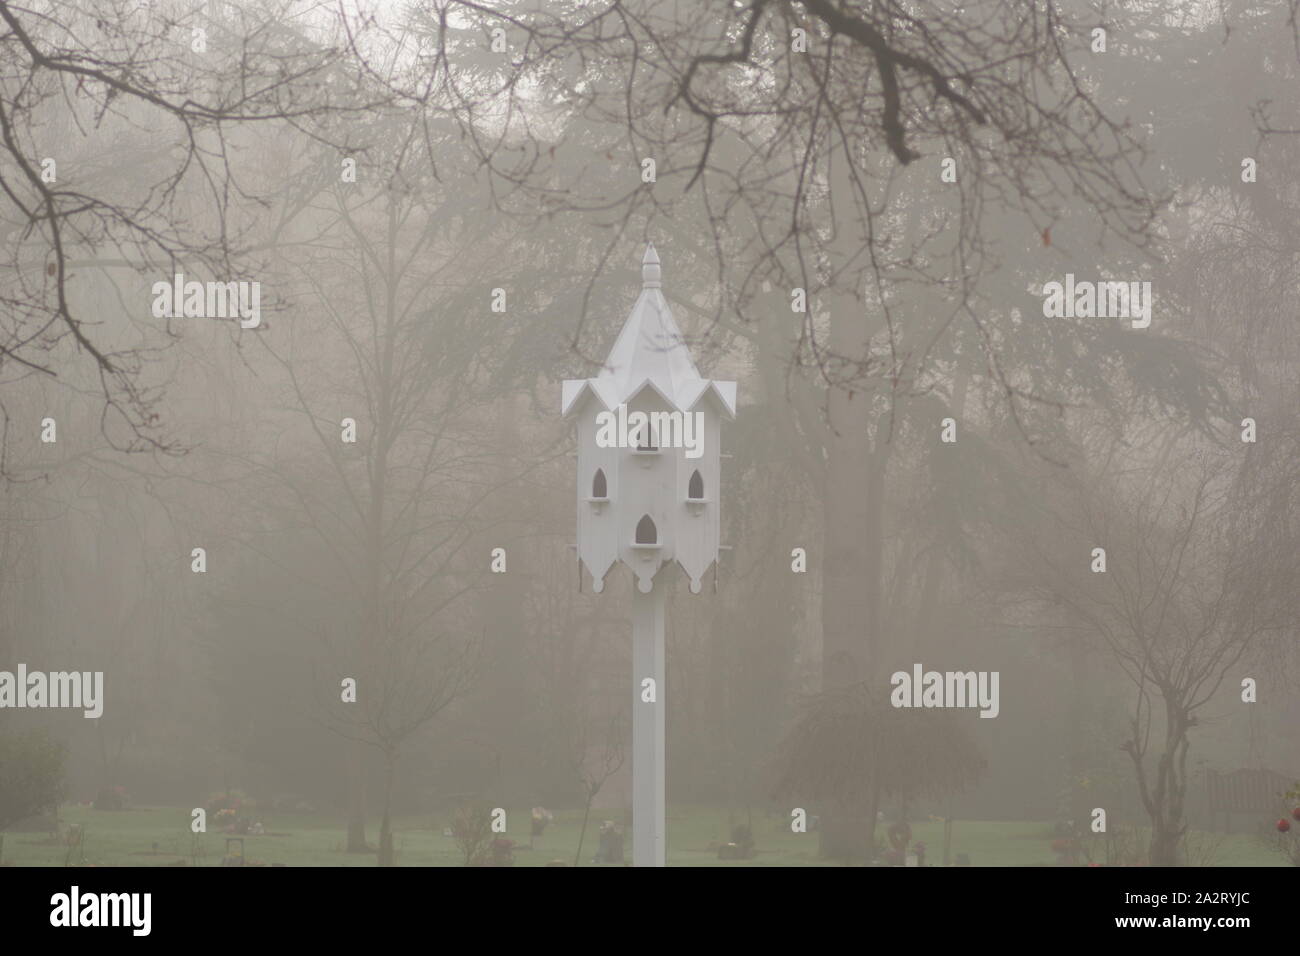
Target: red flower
<point x="1283" y="825"/>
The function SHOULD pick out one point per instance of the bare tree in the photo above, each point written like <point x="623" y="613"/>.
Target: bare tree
<point x="1199" y="578"/>
<point x="595" y="774"/>
<point x="391" y="375"/>
<point x="119" y="133"/>
<point x="743" y="108"/>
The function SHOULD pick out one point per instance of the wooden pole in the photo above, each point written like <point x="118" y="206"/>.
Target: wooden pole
<point x="648" y="843"/>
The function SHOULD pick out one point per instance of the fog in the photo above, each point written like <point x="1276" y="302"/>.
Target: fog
<point x="307" y="319"/>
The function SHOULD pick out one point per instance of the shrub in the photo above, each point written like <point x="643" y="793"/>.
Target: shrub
<point x="111" y="798"/>
<point x="472" y="830"/>
<point x="31" y="775"/>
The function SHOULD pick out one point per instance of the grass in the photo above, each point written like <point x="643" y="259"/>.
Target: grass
<point x="159" y="836"/>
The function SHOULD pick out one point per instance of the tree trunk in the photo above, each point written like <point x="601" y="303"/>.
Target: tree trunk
<point x="386" y="857"/>
<point x="852" y="504"/>
<point x="848" y="578"/>
<point x="356" y="799"/>
<point x="582" y="834"/>
<point x="1168" y="827"/>
<point x="1167" y="845"/>
<point x="873" y="812"/>
<point x="1165" y="797"/>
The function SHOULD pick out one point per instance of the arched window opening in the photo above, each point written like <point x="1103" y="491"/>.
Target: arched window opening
<point x="695" y="488"/>
<point x="646" y="532"/>
<point x="599" y="487"/>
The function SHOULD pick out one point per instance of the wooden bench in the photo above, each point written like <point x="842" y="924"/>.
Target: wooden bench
<point x="1244" y="791"/>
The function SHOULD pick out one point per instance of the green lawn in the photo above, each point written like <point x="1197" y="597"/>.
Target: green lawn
<point x="129" y="838"/>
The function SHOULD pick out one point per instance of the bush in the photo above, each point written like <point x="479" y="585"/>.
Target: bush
<point x="31" y="775"/>
<point x="111" y="798"/>
<point x="849" y="748"/>
<point x="472" y="830"/>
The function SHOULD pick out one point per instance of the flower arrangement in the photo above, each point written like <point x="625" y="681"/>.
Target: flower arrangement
<point x="610" y="846"/>
<point x="1285" y="841"/>
<point x="1067" y="850"/>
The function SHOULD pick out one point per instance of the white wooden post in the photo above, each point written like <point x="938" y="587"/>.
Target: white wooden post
<point x="648" y="809"/>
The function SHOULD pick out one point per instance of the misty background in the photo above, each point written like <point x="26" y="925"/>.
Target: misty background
<point x="380" y="169"/>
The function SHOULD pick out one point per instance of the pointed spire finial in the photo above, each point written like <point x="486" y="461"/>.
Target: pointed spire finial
<point x="650" y="274"/>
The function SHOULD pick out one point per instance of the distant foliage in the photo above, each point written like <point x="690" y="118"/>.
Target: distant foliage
<point x="845" y="746"/>
<point x="233" y="800"/>
<point x="112" y="798"/>
<point x="31" y="775"/>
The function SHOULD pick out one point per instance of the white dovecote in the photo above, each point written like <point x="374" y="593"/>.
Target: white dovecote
<point x="654" y="504"/>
